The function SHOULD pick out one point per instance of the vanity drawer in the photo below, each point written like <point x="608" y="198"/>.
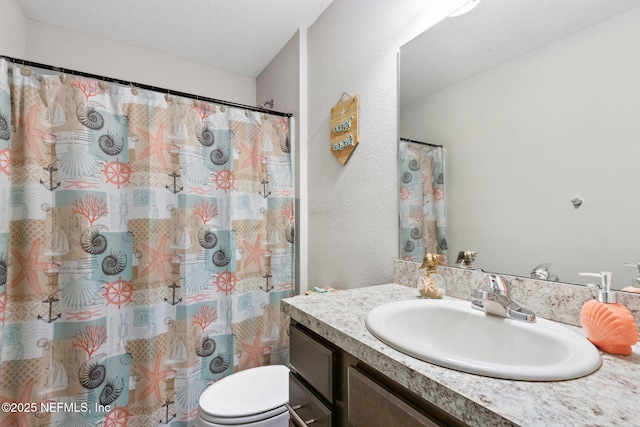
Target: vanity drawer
<point x="308" y="408"/>
<point x="371" y="405"/>
<point x="314" y="361"/>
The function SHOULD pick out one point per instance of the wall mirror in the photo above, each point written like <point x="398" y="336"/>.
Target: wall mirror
<point x="537" y="103"/>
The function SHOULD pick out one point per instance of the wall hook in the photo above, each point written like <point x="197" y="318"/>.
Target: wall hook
<point x="267" y="104"/>
<point x="576" y="202"/>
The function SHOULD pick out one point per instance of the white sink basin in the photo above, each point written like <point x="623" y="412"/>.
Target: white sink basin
<point x="450" y="333"/>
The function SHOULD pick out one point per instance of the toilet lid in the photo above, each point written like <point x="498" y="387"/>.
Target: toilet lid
<point x="247" y="392"/>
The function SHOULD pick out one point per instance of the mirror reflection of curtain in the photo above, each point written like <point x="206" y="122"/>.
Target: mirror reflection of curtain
<point x="423" y="224"/>
<point x="145" y="245"/>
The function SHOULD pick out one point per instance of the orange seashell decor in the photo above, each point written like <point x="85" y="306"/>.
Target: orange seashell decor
<point x="611" y="327"/>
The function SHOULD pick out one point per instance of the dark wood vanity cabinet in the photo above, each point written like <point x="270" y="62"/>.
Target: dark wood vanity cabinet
<point x="312" y="378"/>
<point x="330" y="387"/>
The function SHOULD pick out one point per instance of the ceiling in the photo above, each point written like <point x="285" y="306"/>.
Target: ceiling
<point x="495" y="32"/>
<point x="238" y="36"/>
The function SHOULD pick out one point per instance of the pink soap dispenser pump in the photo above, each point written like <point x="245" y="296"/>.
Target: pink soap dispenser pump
<point x="608" y="324"/>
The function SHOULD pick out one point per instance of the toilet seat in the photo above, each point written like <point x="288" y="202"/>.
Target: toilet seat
<point x="254" y="419"/>
<point x="251" y="395"/>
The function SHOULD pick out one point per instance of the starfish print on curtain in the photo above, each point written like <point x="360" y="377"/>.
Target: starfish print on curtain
<point x="33" y="136"/>
<point x="254" y="351"/>
<point x="20" y="418"/>
<point x="30" y="267"/>
<point x="255" y="252"/>
<point x="253" y="155"/>
<point x="157" y="145"/>
<point x="158" y="258"/>
<point x="153" y="378"/>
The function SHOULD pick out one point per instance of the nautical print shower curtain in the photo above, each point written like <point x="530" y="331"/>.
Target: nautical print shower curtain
<point x="145" y="244"/>
<point x="423" y="223"/>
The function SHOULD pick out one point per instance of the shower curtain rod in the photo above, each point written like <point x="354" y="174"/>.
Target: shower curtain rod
<point x="143" y="86"/>
<point x="420" y="142"/>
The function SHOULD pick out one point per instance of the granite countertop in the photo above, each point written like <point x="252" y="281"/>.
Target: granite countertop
<point x="608" y="397"/>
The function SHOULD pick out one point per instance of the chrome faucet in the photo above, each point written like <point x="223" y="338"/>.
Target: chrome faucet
<point x="497" y="301"/>
<point x="542" y="272"/>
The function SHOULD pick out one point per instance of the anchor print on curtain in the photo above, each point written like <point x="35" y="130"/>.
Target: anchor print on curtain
<point x="145" y="244"/>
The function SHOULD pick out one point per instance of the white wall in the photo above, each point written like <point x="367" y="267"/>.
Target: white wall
<point x="280" y="80"/>
<point x="353" y="209"/>
<point x="13" y="26"/>
<point x="284" y="80"/>
<point x="525" y="138"/>
<point x="48" y="44"/>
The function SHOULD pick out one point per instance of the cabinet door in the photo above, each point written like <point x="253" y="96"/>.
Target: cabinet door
<point x="308" y="408"/>
<point x="370" y="405"/>
<point x="313" y="361"/>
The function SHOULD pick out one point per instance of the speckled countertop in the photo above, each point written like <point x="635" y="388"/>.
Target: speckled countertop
<point x="608" y="397"/>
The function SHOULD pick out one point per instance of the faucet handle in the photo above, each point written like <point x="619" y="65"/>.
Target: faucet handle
<point x="636" y="280"/>
<point x="498" y="283"/>
<point x="541" y="271"/>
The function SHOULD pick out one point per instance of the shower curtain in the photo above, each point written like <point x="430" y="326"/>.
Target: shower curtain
<point x="423" y="223"/>
<point x="145" y="244"/>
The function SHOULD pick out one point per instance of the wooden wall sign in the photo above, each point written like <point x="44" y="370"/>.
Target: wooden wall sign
<point x="344" y="128"/>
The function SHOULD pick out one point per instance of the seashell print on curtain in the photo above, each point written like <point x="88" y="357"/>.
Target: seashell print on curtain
<point x="145" y="246"/>
<point x="423" y="223"/>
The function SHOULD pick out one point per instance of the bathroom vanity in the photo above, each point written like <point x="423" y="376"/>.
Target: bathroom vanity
<point x="330" y="387"/>
<point x="358" y="379"/>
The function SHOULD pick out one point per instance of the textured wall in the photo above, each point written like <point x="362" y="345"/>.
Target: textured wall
<point x="13" y="26"/>
<point x="53" y="45"/>
<point x="282" y="80"/>
<point x="353" y="213"/>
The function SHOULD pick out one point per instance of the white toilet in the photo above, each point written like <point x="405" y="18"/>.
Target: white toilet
<point x="254" y="397"/>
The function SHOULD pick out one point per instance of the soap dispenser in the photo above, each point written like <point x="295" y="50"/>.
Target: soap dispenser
<point x="430" y="282"/>
<point x="608" y="324"/>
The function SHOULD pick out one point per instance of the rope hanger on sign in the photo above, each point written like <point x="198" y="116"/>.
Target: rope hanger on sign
<point x="342" y="97"/>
